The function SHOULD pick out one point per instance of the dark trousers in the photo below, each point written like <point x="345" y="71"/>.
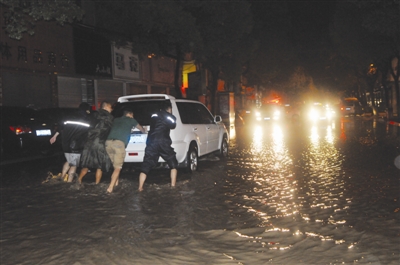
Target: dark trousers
<point x="152" y="153"/>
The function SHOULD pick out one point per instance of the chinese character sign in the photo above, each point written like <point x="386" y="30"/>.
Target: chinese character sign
<point x="119" y="61"/>
<point x="125" y="64"/>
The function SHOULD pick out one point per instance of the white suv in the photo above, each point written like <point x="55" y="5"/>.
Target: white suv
<point x="197" y="131"/>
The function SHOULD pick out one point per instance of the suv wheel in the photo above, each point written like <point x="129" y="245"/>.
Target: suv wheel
<point x="192" y="158"/>
<point x="224" y="151"/>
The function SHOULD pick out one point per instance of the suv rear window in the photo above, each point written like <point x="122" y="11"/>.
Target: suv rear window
<point x="142" y="109"/>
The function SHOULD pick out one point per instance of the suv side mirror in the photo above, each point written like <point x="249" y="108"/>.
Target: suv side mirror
<point x="217" y="119"/>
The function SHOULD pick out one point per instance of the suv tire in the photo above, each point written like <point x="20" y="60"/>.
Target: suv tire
<point x="192" y="158"/>
<point x="224" y="150"/>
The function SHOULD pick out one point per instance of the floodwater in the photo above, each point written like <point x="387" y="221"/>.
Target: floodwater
<point x="288" y="194"/>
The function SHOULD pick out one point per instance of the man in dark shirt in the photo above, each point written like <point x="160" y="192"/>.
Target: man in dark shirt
<point x="159" y="144"/>
<point x="73" y="136"/>
<point x="117" y="141"/>
<point x="94" y="154"/>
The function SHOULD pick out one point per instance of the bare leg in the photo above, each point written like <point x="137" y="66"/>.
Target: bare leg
<point x="99" y="173"/>
<point x="142" y="179"/>
<point x="174" y="173"/>
<point x="83" y="172"/>
<point x="65" y="169"/>
<point x="114" y="179"/>
<point x="71" y="173"/>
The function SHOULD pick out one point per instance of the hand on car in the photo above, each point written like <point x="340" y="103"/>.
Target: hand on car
<point x="54" y="138"/>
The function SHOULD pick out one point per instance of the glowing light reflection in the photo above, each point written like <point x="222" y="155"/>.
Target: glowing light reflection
<point x="257" y="139"/>
<point x="274" y="194"/>
<point x="232" y="133"/>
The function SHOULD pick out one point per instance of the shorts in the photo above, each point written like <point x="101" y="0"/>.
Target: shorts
<point x="116" y="151"/>
<point x="73" y="159"/>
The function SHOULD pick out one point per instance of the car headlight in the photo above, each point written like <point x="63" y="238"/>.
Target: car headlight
<point x="276" y="114"/>
<point x="313" y="114"/>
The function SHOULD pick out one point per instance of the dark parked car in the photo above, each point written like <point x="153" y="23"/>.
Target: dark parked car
<point x="57" y="115"/>
<point x="24" y="132"/>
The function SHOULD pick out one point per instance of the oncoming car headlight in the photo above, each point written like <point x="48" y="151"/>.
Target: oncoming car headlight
<point x="313" y="114"/>
<point x="258" y="115"/>
<point x="330" y="114"/>
<point x="276" y="115"/>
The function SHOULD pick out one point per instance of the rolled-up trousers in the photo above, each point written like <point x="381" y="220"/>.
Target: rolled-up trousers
<point x="153" y="152"/>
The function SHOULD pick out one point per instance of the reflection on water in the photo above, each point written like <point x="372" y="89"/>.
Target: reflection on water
<point x="286" y="195"/>
<point x="291" y="193"/>
<point x="329" y="134"/>
<point x="257" y="140"/>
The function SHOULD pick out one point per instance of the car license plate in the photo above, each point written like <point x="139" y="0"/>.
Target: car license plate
<point x="348" y="108"/>
<point x="43" y="132"/>
<point x="138" y="138"/>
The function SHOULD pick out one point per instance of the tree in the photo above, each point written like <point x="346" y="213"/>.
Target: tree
<point x="21" y="16"/>
<point x="274" y="59"/>
<point x="151" y="27"/>
<point x="355" y="49"/>
<point x="310" y="38"/>
<point x="225" y="28"/>
<point x="382" y="18"/>
<point x="215" y="32"/>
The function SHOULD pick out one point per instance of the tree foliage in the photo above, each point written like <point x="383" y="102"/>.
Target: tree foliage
<point x="21" y="16"/>
<point x="381" y="16"/>
<point x="226" y="43"/>
<point x="154" y="26"/>
<point x="274" y="58"/>
<point x="381" y="20"/>
<point x="215" y="32"/>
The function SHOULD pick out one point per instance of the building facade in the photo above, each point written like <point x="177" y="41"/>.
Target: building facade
<point x="62" y="66"/>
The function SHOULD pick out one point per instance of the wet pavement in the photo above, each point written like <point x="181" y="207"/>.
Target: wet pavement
<point x="288" y="194"/>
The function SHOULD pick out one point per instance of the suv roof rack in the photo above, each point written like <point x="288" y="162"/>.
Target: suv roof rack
<point x="147" y="96"/>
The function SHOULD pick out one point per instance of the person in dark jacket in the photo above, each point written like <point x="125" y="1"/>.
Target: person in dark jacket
<point x="73" y="132"/>
<point x="94" y="153"/>
<point x="159" y="144"/>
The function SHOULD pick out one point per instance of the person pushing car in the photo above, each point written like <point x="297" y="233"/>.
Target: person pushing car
<point x="117" y="140"/>
<point x="159" y="144"/>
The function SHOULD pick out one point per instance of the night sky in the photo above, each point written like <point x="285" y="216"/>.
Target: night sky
<point x="308" y="20"/>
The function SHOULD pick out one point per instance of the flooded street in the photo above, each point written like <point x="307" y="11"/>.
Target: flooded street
<point x="288" y="194"/>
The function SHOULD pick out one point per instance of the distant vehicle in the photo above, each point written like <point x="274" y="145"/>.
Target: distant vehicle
<point x="197" y="133"/>
<point x="24" y="132"/>
<point x="268" y="112"/>
<point x="351" y="107"/>
<point x="293" y="112"/>
<point x="319" y="112"/>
